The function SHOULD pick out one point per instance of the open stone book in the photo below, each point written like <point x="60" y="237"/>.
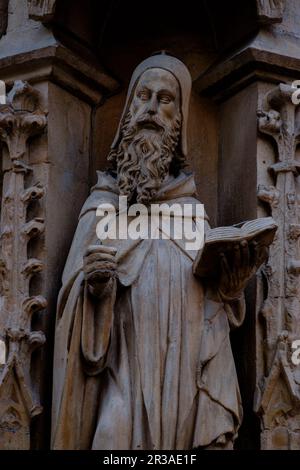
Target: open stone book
<point x="223" y="240"/>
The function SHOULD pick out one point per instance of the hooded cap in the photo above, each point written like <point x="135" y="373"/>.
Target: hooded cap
<point x="180" y="72"/>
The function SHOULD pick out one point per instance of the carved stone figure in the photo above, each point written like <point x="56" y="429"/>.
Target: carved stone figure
<point x="142" y="350"/>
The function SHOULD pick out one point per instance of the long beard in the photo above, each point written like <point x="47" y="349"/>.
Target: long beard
<point x="143" y="158"/>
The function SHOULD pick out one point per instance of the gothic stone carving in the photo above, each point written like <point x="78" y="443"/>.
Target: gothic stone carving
<point x="278" y="392"/>
<point x="41" y="10"/>
<point x="20" y="119"/>
<point x="270" y="11"/>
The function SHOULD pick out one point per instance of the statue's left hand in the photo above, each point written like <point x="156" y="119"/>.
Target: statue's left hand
<point x="238" y="267"/>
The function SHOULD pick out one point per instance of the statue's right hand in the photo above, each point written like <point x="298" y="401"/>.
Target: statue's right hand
<point x="99" y="266"/>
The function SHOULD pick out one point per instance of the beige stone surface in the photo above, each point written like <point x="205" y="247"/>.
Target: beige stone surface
<point x="23" y="34"/>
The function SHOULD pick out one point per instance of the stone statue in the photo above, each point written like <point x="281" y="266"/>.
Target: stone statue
<point x="142" y="351"/>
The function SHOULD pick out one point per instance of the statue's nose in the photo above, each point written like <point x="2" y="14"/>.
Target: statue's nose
<point x="152" y="107"/>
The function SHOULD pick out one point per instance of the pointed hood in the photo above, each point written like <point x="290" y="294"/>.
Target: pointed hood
<point x="182" y="75"/>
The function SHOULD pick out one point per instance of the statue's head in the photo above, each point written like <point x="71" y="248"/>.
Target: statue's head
<point x="151" y="139"/>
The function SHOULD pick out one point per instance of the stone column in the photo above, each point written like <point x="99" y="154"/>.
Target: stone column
<point x="45" y="130"/>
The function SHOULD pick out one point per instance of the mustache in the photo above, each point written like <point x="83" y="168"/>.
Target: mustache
<point x="147" y="120"/>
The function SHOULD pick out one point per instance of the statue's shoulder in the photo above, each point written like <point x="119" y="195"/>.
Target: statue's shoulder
<point x="105" y="191"/>
<point x="106" y="181"/>
<point x="179" y="186"/>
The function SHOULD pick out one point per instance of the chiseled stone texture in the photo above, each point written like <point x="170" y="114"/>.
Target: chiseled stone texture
<point x="23" y="35"/>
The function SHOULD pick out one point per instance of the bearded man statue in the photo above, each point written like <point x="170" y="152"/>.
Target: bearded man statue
<point x="142" y="350"/>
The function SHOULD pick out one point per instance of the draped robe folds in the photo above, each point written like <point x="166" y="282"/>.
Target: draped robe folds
<point x="149" y="365"/>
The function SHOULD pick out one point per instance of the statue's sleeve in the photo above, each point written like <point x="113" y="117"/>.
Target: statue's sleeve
<point x="82" y="339"/>
<point x="97" y="321"/>
<point x="235" y="310"/>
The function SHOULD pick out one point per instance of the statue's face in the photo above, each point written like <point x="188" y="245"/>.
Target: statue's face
<point x="149" y="136"/>
<point x="156" y="100"/>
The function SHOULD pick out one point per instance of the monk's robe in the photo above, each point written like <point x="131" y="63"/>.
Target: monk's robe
<point x="149" y="364"/>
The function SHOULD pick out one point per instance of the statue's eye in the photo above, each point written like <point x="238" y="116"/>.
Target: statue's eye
<point x="165" y="99"/>
<point x="144" y="95"/>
